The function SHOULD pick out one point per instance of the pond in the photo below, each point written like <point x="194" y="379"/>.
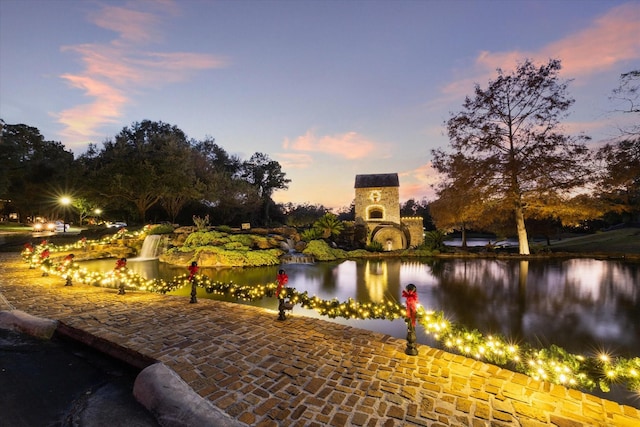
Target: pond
<point x="583" y="305"/>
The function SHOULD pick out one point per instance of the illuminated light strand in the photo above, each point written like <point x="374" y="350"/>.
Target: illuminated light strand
<point x="554" y="364"/>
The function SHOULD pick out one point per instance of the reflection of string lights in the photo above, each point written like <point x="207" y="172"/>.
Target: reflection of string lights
<point x="554" y="364"/>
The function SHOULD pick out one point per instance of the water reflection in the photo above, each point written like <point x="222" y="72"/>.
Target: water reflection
<point x="582" y="305"/>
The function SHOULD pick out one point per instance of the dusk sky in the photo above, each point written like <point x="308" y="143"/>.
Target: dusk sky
<point x="329" y="89"/>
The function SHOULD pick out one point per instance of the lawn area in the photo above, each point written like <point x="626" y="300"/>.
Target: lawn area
<point x="13" y="227"/>
<point x="623" y="241"/>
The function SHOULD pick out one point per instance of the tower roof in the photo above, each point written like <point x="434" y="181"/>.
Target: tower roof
<point x="377" y="180"/>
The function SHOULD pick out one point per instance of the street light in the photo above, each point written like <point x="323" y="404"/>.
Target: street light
<point x="97" y="211"/>
<point x="65" y="201"/>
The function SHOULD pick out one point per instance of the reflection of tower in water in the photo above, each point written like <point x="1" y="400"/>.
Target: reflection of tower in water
<point x="380" y="280"/>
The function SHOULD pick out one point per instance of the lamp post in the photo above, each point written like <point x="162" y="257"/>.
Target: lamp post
<point x="412" y="302"/>
<point x="65" y="202"/>
<point x="98" y="212"/>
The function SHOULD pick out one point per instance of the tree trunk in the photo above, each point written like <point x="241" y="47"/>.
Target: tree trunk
<point x="523" y="241"/>
<point x="464" y="237"/>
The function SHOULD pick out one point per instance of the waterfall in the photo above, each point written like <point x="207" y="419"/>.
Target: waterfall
<point x="297" y="258"/>
<point x="151" y="247"/>
<point x="292" y="256"/>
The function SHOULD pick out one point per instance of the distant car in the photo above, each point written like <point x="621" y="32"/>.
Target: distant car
<point x="57" y="226"/>
<point x="43" y="226"/>
<point x="60" y="227"/>
<point x="117" y="224"/>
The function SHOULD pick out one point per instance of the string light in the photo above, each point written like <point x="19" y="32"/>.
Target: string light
<point x="554" y="364"/>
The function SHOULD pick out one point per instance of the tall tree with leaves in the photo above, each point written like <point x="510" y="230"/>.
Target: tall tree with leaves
<point x="266" y="176"/>
<point x="147" y="162"/>
<point x="510" y="136"/>
<point x="33" y="171"/>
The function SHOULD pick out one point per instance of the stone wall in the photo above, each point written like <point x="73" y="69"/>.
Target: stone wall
<point x="385" y="200"/>
<point x="416" y="231"/>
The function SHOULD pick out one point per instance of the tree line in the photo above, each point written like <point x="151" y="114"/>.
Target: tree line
<point x="150" y="170"/>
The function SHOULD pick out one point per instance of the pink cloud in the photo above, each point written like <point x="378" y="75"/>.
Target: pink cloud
<point x="610" y="40"/>
<point x="82" y="121"/>
<point x="123" y="66"/>
<point x="350" y="145"/>
<point x="419" y="182"/>
<point x="131" y="25"/>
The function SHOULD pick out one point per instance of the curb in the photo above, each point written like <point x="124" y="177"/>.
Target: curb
<point x="157" y="387"/>
<point x="16" y="320"/>
<point x="174" y="403"/>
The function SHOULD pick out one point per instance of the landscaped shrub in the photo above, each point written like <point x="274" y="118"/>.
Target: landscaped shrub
<point x="235" y="246"/>
<point x="433" y="240"/>
<point x="358" y="253"/>
<point x="311" y="234"/>
<point x="237" y="258"/>
<point x="206" y="238"/>
<point x="201" y="223"/>
<point x="321" y="251"/>
<point x="374" y="247"/>
<point x="245" y="239"/>
<point x="266" y="257"/>
<point x="262" y="242"/>
<point x="161" y="229"/>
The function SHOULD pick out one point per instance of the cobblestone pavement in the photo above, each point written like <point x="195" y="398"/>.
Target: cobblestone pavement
<point x="302" y="371"/>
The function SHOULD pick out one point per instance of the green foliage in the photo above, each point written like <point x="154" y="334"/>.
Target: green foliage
<point x="374" y="247"/>
<point x="239" y="258"/>
<point x="201" y="223"/>
<point x="236" y="246"/>
<point x="423" y="252"/>
<point x="245" y="239"/>
<point x="206" y="238"/>
<point x="224" y="229"/>
<point x="265" y="257"/>
<point x="328" y="226"/>
<point x="358" y="253"/>
<point x="161" y="229"/>
<point x="311" y="234"/>
<point x="433" y="240"/>
<point x="321" y="251"/>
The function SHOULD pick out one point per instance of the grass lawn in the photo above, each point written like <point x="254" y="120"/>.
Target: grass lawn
<point x="13" y="227"/>
<point x="623" y="241"/>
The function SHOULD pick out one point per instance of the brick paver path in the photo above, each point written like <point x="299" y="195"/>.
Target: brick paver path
<point x="303" y="371"/>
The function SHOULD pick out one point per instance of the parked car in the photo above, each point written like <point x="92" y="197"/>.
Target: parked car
<point x="43" y="226"/>
<point x="60" y="227"/>
<point x="57" y="226"/>
<point x="116" y="224"/>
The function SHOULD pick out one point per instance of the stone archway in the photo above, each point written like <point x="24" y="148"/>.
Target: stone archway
<point x="391" y="237"/>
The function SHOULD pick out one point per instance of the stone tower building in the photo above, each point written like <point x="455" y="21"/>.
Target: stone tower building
<point x="378" y="205"/>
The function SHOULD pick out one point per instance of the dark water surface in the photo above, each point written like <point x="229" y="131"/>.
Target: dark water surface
<point x="582" y="305"/>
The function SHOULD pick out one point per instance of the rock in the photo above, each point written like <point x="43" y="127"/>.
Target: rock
<point x="20" y="321"/>
<point x="174" y="403"/>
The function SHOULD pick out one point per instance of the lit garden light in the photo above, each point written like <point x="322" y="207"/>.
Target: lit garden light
<point x="65" y="201"/>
